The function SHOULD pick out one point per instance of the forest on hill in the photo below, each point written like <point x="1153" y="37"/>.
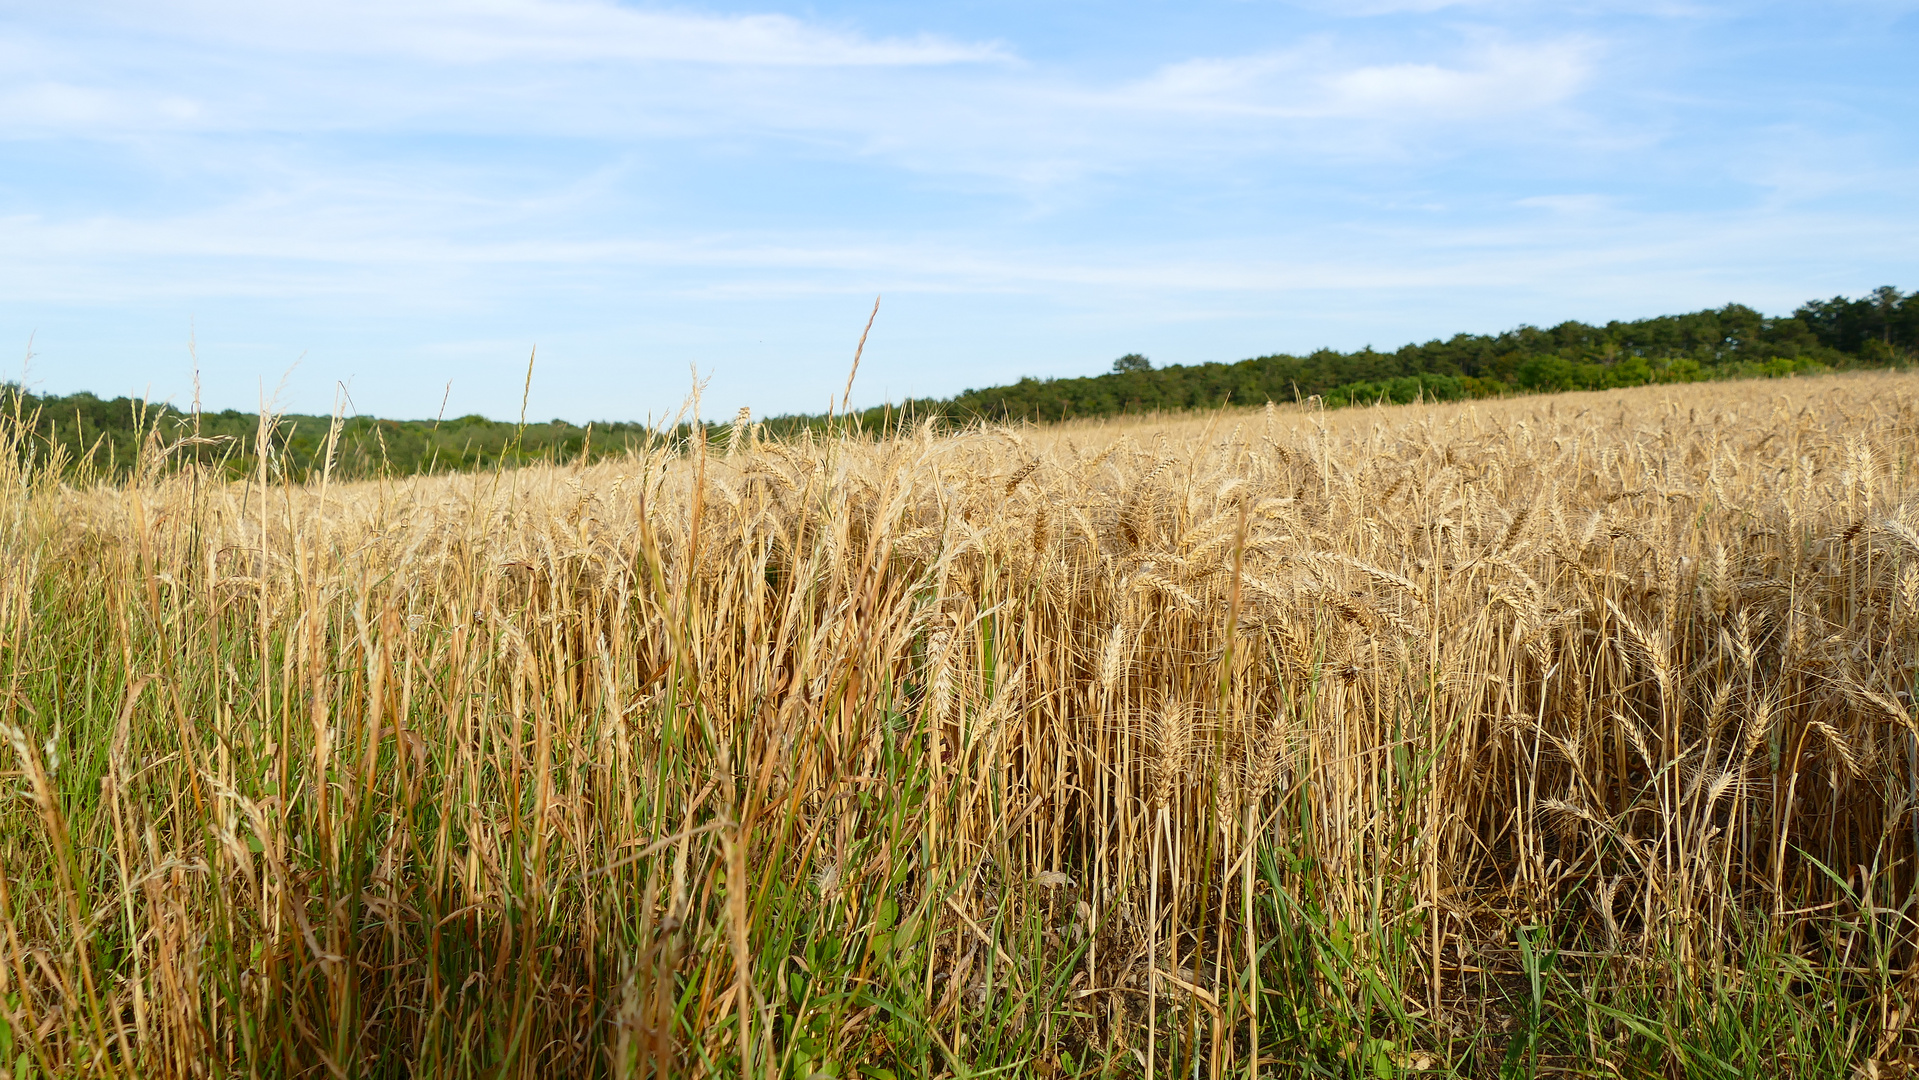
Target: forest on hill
<point x="1881" y="329"/>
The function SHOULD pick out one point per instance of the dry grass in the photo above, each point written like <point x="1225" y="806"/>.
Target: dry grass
<point x="1560" y="734"/>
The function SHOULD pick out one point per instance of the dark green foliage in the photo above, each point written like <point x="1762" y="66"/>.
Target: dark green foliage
<point x="1731" y="342"/>
<point x="108" y="436"/>
<point x="1883" y="324"/>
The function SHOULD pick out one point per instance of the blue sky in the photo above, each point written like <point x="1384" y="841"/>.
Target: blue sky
<point x="398" y="195"/>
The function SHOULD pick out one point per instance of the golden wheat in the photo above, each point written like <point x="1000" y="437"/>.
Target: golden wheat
<point x="1638" y="665"/>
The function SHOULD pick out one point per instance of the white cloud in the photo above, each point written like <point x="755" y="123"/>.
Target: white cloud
<point x="556" y="31"/>
<point x="1314" y="83"/>
<point x="1503" y="79"/>
<point x="1585" y="205"/>
<point x="965" y="111"/>
<point x="64" y="107"/>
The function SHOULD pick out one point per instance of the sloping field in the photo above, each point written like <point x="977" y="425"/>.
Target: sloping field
<point x="1568" y="734"/>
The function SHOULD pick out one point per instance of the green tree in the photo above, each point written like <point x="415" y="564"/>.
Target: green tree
<point x="1885" y="303"/>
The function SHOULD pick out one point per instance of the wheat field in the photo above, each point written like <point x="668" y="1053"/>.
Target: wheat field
<point x="1568" y="735"/>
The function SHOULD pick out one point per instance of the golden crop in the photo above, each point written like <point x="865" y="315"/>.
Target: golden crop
<point x="1144" y="747"/>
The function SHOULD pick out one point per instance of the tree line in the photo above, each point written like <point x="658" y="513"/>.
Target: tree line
<point x="1879" y="330"/>
<point x="119" y="436"/>
<point x="113" y="437"/>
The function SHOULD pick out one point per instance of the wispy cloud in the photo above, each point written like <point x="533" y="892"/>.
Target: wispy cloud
<point x="348" y="252"/>
<point x="1312" y="83"/>
<point x="598" y="70"/>
<point x="548" y="31"/>
<point x="1585" y="205"/>
<point x="64" y="107"/>
<point x="1501" y="80"/>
